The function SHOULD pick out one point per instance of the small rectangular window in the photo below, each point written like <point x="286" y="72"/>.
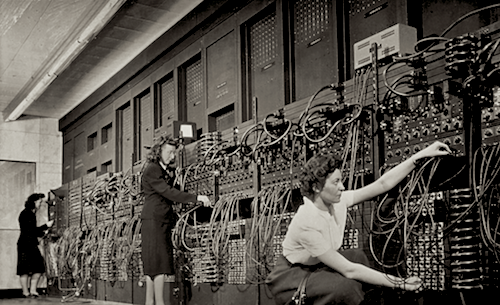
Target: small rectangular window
<point x="106" y="167"/>
<point x="91" y="141"/>
<point x="106" y="133"/>
<point x="222" y="119"/>
<point x="164" y="101"/>
<point x="93" y="169"/>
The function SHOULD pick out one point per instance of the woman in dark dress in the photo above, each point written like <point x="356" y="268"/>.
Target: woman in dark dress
<point x="30" y="262"/>
<point x="158" y="217"/>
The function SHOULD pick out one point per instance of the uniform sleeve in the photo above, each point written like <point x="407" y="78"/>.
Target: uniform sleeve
<point x="40" y="231"/>
<point x="154" y="176"/>
<point x="311" y="238"/>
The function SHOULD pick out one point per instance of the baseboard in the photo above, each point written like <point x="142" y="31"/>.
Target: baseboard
<point x="17" y="293"/>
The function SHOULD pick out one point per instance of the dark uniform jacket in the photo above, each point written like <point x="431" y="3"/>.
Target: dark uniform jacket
<point x="160" y="194"/>
<point x="29" y="231"/>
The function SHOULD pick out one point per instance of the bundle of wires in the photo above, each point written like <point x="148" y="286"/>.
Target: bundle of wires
<point x="268" y="209"/>
<point x="403" y="220"/>
<point x="131" y="185"/>
<point x="399" y="224"/>
<point x="331" y="115"/>
<point x="263" y="137"/>
<point x="80" y="254"/>
<point x="107" y="194"/>
<point x="125" y="239"/>
<point x="485" y="189"/>
<point x="181" y="227"/>
<point x="225" y="211"/>
<point x="67" y="252"/>
<point x="208" y="147"/>
<point x="354" y="130"/>
<point x="478" y="65"/>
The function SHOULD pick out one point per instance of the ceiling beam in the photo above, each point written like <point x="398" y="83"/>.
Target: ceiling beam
<point x="91" y="23"/>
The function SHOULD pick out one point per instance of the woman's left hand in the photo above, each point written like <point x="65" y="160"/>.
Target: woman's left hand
<point x="411" y="284"/>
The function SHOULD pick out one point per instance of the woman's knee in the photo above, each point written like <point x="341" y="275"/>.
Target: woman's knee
<point x="348" y="292"/>
<point x="351" y="292"/>
<point x="332" y="288"/>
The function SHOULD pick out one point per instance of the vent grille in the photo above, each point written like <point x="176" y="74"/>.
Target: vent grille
<point x="225" y="120"/>
<point x="360" y="6"/>
<point x="263" y="41"/>
<point x="311" y="19"/>
<point x="388" y="34"/>
<point x="146" y="124"/>
<point x="194" y="83"/>
<point x="167" y="99"/>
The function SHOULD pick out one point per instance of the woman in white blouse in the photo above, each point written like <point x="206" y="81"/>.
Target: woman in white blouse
<point x="316" y="231"/>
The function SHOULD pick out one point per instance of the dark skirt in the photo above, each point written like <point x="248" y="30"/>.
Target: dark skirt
<point x="29" y="259"/>
<point x="157" y="249"/>
<point x="324" y="286"/>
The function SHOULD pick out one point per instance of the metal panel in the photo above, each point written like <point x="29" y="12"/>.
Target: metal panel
<point x="68" y="159"/>
<point x="196" y="111"/>
<point x="167" y="103"/>
<point x="107" y="142"/>
<point x="437" y="15"/>
<point x="225" y="121"/>
<point x="125" y="137"/>
<point x="266" y="64"/>
<point x="221" y="72"/>
<point x="315" y="55"/>
<point x="370" y="17"/>
<point x="119" y="293"/>
<point x="80" y="154"/>
<point x="146" y="124"/>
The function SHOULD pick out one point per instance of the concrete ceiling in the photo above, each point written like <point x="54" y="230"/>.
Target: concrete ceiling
<point x="55" y="53"/>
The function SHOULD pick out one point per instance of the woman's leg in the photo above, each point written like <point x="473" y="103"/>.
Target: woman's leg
<point x="159" y="283"/>
<point x="150" y="291"/>
<point x="24" y="284"/>
<point x="327" y="286"/>
<point x="34" y="283"/>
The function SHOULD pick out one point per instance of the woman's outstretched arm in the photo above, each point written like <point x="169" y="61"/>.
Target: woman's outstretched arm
<point x="398" y="173"/>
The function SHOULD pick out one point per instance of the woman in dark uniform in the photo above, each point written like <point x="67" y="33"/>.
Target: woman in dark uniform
<point x="30" y="262"/>
<point x="158" y="217"/>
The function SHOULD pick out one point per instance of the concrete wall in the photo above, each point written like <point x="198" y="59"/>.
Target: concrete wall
<point x="31" y="150"/>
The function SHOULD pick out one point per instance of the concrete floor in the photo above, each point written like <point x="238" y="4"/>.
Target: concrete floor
<point x="43" y="300"/>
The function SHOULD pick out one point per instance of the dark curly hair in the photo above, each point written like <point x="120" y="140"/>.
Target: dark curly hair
<point x="316" y="171"/>
<point x="30" y="202"/>
<point x="154" y="154"/>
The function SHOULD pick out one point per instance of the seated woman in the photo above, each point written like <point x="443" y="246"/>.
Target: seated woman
<point x="316" y="231"/>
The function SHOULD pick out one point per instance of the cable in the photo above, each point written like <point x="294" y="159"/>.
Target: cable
<point x="451" y="26"/>
<point x="269" y="207"/>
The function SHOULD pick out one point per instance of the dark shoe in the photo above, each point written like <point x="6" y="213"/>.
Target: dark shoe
<point x="25" y="296"/>
<point x="34" y="295"/>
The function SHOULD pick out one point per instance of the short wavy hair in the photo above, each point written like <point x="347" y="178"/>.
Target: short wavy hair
<point x="316" y="171"/>
<point x="30" y="202"/>
<point x="154" y="154"/>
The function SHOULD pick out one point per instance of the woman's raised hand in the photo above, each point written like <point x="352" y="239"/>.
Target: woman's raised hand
<point x="435" y="149"/>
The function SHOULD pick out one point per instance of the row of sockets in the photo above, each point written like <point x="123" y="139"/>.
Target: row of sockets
<point x="396" y="155"/>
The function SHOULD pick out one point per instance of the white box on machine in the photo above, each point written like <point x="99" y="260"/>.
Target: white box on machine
<point x="398" y="39"/>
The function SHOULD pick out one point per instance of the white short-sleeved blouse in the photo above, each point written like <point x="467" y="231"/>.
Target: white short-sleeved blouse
<point x="312" y="231"/>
